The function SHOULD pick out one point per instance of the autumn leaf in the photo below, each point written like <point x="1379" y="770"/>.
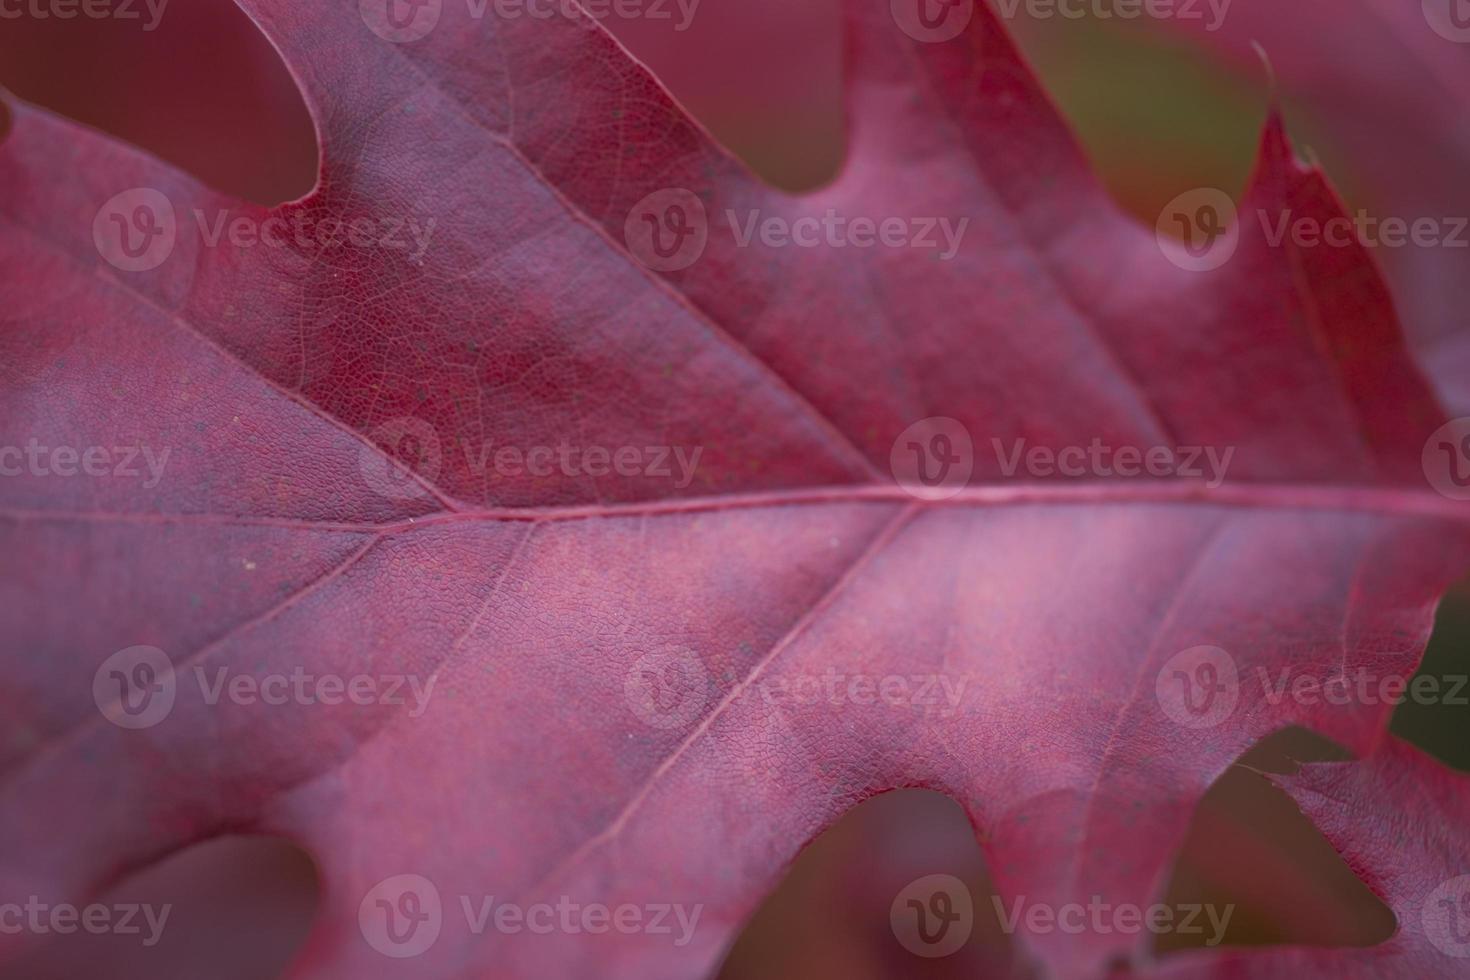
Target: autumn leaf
<point x="1387" y="85"/>
<point x="543" y="514"/>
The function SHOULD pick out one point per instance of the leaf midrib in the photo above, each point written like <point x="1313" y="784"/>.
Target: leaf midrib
<point x="1312" y="497"/>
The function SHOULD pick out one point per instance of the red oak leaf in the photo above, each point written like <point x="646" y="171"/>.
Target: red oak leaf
<point x="1389" y="84"/>
<point x="545" y="516"/>
<point x="1397" y="818"/>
